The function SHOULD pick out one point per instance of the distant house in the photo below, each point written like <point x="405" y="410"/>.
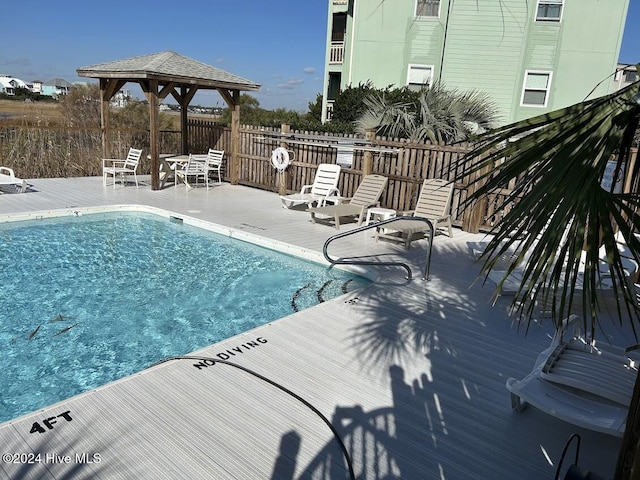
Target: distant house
<point x="36" y="86"/>
<point x="625" y="75"/>
<point x="56" y="87"/>
<point x="121" y="99"/>
<point x="529" y="57"/>
<point x="8" y="84"/>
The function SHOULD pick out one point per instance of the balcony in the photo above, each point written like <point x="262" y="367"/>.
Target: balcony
<point x="336" y="53"/>
<point x="330" y="109"/>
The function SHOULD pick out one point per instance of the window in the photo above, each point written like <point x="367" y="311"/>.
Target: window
<point x="631" y="76"/>
<point x="334" y="85"/>
<point x="338" y="27"/>
<point x="549" y="11"/>
<point x="427" y="8"/>
<point x="419" y="76"/>
<point x="535" y="92"/>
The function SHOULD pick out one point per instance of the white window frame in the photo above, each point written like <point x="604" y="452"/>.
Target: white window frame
<point x="546" y="90"/>
<point x="416" y="66"/>
<point x="426" y="16"/>
<point x="550" y="19"/>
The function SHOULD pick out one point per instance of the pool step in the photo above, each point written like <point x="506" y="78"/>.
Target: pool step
<point x="315" y="292"/>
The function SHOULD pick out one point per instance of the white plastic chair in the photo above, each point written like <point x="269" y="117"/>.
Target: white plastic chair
<point x="214" y="162"/>
<point x="324" y="186"/>
<point x="128" y="166"/>
<point x="433" y="204"/>
<point x="195" y="168"/>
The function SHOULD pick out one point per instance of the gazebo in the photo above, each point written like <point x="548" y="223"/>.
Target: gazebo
<point x="159" y="75"/>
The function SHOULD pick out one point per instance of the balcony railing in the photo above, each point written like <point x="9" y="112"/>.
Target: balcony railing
<point x="329" y="109"/>
<point x="336" y="54"/>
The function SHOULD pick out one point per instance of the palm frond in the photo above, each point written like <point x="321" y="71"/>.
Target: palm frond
<point x="559" y="211"/>
<point x="440" y="115"/>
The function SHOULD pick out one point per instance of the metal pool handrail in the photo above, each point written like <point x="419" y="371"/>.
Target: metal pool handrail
<point x="354" y="261"/>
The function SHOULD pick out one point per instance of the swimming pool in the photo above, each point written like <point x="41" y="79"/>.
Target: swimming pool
<point x="92" y="298"/>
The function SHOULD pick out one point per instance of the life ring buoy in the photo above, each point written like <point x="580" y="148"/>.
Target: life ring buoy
<point x="280" y="158"/>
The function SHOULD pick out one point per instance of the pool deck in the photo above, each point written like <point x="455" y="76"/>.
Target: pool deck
<point x="410" y="374"/>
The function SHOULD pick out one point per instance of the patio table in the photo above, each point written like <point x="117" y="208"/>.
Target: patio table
<point x="169" y="163"/>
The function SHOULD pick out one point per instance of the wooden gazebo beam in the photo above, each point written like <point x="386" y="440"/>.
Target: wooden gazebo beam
<point x="108" y="88"/>
<point x="150" y="89"/>
<point x="184" y="98"/>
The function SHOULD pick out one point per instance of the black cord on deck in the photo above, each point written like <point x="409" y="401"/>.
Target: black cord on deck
<point x="284" y="389"/>
<point x="573" y="437"/>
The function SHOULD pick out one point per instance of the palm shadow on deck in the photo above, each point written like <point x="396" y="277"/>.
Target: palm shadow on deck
<point x="448" y="356"/>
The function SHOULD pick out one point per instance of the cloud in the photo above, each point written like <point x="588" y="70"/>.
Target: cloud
<point x="310" y="70"/>
<point x="291" y="83"/>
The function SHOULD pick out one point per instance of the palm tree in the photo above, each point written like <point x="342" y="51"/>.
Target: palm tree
<point x="559" y="216"/>
<point x="438" y="114"/>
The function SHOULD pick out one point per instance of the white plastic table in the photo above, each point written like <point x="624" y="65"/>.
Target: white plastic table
<point x="378" y="214"/>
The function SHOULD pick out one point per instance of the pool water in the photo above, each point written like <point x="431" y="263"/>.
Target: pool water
<point x="90" y="299"/>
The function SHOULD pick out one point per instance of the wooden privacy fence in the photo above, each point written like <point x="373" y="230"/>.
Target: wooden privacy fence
<point x="405" y="165"/>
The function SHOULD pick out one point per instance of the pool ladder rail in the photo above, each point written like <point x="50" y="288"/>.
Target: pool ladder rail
<point x="355" y="261"/>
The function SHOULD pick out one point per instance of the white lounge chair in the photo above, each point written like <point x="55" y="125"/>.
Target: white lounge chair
<point x="509" y="283"/>
<point x="325" y="185"/>
<point x="367" y="195"/>
<point x="8" y="177"/>
<point x="433" y="204"/>
<point x="214" y="162"/>
<point x="128" y="166"/>
<point x="580" y="382"/>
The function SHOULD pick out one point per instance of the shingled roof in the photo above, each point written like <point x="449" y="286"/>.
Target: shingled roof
<point x="168" y="67"/>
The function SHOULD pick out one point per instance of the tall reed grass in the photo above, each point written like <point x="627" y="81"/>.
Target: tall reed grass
<point x="58" y="152"/>
<point x="65" y="139"/>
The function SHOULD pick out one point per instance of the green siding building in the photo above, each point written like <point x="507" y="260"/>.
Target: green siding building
<point x="529" y="56"/>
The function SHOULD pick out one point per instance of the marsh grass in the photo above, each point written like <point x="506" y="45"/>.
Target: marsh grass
<point x="39" y="140"/>
<point x="58" y="152"/>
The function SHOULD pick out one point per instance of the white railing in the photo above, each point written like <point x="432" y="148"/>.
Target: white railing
<point x="336" y="53"/>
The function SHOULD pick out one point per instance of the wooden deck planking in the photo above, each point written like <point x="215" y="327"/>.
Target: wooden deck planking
<point x="439" y="409"/>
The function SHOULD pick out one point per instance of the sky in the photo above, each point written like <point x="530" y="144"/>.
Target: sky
<point x="279" y="44"/>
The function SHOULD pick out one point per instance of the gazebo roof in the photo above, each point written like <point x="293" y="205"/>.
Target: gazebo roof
<point x="168" y="67"/>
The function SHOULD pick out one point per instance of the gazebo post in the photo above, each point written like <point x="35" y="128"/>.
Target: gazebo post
<point x="233" y="101"/>
<point x="108" y="88"/>
<point x="184" y="99"/>
<point x="154" y="135"/>
<point x="184" y="131"/>
<point x="150" y="89"/>
<point x="104" y="119"/>
<point x="235" y="138"/>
